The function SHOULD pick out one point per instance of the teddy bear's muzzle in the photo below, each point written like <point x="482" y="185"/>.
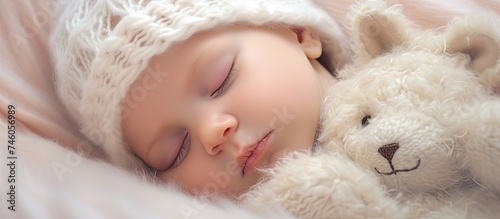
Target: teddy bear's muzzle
<point x="388" y="151"/>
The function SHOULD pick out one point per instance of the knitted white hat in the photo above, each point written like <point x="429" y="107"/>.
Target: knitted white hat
<point x="101" y="46"/>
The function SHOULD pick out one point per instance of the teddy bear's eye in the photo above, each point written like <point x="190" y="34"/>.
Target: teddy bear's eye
<point x="366" y="120"/>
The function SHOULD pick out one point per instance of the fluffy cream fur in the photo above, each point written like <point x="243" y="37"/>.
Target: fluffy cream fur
<point x="412" y="129"/>
<point x="327" y="185"/>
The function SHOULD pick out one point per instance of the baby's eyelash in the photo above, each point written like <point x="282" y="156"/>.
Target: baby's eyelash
<point x="183" y="151"/>
<point x="226" y="83"/>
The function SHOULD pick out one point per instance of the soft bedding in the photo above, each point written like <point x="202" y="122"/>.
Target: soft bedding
<point x="51" y="171"/>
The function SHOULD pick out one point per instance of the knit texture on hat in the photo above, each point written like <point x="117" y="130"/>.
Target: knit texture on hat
<point x="100" y="47"/>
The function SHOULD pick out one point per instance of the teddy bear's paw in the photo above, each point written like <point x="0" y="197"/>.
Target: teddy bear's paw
<point x="323" y="186"/>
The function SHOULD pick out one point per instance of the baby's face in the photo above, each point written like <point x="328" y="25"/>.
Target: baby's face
<point x="214" y="108"/>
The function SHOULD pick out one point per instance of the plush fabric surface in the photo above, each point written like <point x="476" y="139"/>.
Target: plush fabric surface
<point x="46" y="136"/>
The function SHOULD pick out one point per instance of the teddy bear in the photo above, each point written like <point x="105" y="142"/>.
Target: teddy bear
<point x="419" y="109"/>
<point x="410" y="130"/>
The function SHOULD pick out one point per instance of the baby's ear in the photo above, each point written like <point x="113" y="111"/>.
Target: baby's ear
<point x="309" y="41"/>
<point x="377" y="29"/>
<point x="477" y="36"/>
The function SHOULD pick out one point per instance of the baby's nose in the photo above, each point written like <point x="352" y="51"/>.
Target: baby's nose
<point x="215" y="131"/>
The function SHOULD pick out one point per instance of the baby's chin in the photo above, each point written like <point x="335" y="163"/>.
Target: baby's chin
<point x="289" y="152"/>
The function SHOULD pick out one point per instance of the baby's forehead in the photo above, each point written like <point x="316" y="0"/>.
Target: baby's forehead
<point x="191" y="45"/>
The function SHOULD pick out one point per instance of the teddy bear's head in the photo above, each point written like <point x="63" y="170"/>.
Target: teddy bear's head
<point x="397" y="110"/>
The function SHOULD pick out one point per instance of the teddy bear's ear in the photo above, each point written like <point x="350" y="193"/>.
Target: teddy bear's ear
<point x="377" y="28"/>
<point x="477" y="36"/>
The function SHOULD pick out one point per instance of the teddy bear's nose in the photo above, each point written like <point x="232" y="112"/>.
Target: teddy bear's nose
<point x="388" y="150"/>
